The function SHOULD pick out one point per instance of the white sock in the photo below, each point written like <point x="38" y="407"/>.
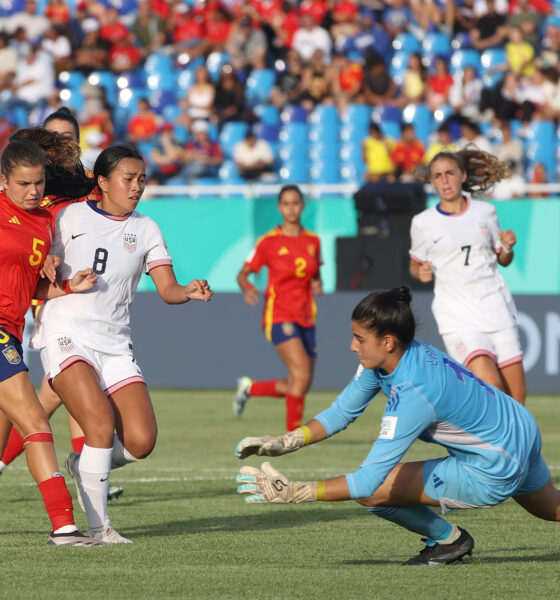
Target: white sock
<point x="94" y="467"/>
<point x="120" y="456"/>
<point x="65" y="529"/>
<point x="2" y="466"/>
<point x="452" y="537"/>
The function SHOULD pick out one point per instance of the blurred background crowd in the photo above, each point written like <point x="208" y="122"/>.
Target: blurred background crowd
<point x="323" y="91"/>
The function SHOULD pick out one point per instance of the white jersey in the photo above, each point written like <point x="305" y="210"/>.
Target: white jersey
<point x="118" y="249"/>
<point x="469" y="293"/>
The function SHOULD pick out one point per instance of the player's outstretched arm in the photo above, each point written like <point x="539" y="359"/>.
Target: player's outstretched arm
<point x="267" y="485"/>
<point x="172" y="292"/>
<point x="268" y="445"/>
<point x="81" y="282"/>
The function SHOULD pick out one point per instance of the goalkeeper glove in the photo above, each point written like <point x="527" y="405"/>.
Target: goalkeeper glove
<point x="270" y="486"/>
<point x="268" y="445"/>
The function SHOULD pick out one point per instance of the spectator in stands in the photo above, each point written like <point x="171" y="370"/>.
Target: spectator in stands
<point x="20" y="43"/>
<point x="247" y="46"/>
<point x="124" y="55"/>
<point x="526" y="18"/>
<point x="488" y="30"/>
<point x="506" y="100"/>
<point x="376" y="152"/>
<point x="407" y="154"/>
<point x="538" y="175"/>
<point x="229" y="104"/>
<point x="520" y="53"/>
<point x="378" y="87"/>
<point x="112" y="29"/>
<point x="471" y="135"/>
<point x="57" y="12"/>
<point x="414" y="86"/>
<point x="443" y="143"/>
<point x="34" y="80"/>
<point x="186" y="30"/>
<point x="143" y="125"/>
<point x="199" y="100"/>
<point x="35" y="25"/>
<point x="280" y="28"/>
<point x="549" y="54"/>
<point x="93" y="52"/>
<point x="289" y="83"/>
<point x="397" y="17"/>
<point x="96" y="115"/>
<point x="346" y="19"/>
<point x="201" y="156"/>
<point x="218" y="27"/>
<point x="510" y="151"/>
<point x="464" y="94"/>
<point x="253" y="157"/>
<point x="56" y="43"/>
<point x="38" y="115"/>
<point x="310" y="37"/>
<point x="347" y="79"/>
<point x="8" y="61"/>
<point x="165" y="157"/>
<point x="439" y="84"/>
<point x="317" y="82"/>
<point x="148" y="29"/>
<point x="370" y="37"/>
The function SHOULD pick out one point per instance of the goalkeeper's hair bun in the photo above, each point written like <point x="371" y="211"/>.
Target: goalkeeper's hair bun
<point x="388" y="312"/>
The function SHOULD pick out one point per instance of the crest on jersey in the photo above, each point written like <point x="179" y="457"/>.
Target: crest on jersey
<point x="65" y="344"/>
<point x="484" y="229"/>
<point x="129" y="242"/>
<point x="288" y="329"/>
<point x="12" y="355"/>
<point x="283" y="251"/>
<point x="311" y="250"/>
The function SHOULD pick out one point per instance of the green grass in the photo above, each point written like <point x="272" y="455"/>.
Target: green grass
<point x="194" y="537"/>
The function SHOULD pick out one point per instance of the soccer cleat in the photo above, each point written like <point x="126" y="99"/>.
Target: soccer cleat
<point x="443" y="554"/>
<point x="114" y="492"/>
<point x="108" y="535"/>
<point x="75" y="538"/>
<point x="71" y="466"/>
<point x="242" y="394"/>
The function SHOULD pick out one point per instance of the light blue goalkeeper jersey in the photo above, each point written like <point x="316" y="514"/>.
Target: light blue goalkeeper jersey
<point x="433" y="398"/>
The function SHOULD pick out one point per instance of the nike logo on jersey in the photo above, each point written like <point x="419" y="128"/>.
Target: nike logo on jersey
<point x="438" y="240"/>
<point x="77" y="236"/>
<point x="14" y="220"/>
<point x="104" y="479"/>
<point x="283" y="251"/>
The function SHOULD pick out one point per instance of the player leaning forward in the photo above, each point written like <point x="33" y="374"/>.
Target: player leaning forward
<point x="85" y="341"/>
<point x="493" y="441"/>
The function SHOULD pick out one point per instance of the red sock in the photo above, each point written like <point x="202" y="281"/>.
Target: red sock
<point x="78" y="443"/>
<point x="58" y="501"/>
<point x="294" y="411"/>
<point x="14" y="447"/>
<point x="264" y="388"/>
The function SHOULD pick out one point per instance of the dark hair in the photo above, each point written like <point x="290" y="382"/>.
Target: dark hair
<point x="64" y="173"/>
<point x="21" y="153"/>
<point x="290" y="188"/>
<point x="482" y="168"/>
<point x="64" y="114"/>
<point x="109" y="159"/>
<point x="388" y="312"/>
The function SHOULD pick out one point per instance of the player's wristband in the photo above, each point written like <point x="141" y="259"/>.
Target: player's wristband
<point x="321" y="490"/>
<point x="65" y="284"/>
<point x="306" y="435"/>
<point x="507" y="250"/>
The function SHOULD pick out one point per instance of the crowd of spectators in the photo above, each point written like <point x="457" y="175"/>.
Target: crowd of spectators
<point x="337" y="53"/>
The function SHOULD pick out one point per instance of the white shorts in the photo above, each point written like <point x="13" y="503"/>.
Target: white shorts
<point x="503" y="346"/>
<point x="115" y="371"/>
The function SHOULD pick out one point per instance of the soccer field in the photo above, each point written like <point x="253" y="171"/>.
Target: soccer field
<point x="194" y="537"/>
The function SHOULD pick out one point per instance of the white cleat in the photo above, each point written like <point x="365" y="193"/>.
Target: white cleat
<point x="108" y="535"/>
<point x="74" y="538"/>
<point x="72" y="467"/>
<point x="241" y="395"/>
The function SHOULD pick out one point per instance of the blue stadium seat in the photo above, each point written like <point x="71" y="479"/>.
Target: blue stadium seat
<point x="161" y="99"/>
<point x="383" y="112"/>
<point x="165" y="80"/>
<point x="463" y="58"/>
<point x="214" y="64"/>
<point x="74" y="99"/>
<point x="461" y="41"/>
<point x="267" y="113"/>
<point x="391" y="129"/>
<point x="266" y="131"/>
<point x="231" y="133"/>
<point x="324" y="152"/>
<point x="398" y="66"/>
<point x="293" y="113"/>
<point x="490" y="59"/>
<point x="294" y="133"/>
<point x="352" y="172"/>
<point x="357" y="114"/>
<point x="442" y="113"/>
<point x="325" y="172"/>
<point x="294" y="172"/>
<point x="258" y="86"/>
<point x="71" y="79"/>
<point x="125" y="7"/>
<point x="158" y="63"/>
<point x="171" y="112"/>
<point x="9" y="7"/>
<point x="107" y="80"/>
<point x="406" y="42"/>
<point x="422" y="119"/>
<point x="324" y="115"/>
<point x="132" y="79"/>
<point x="437" y="43"/>
<point x="184" y="79"/>
<point x="128" y="99"/>
<point x="228" y="173"/>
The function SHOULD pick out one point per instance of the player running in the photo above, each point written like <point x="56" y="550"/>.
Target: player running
<point x="293" y="257"/>
<point x="86" y="347"/>
<point x="459" y="244"/>
<point x="25" y="241"/>
<point x="494" y="443"/>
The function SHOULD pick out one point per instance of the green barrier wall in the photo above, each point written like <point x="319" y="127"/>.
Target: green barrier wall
<point x="211" y="237"/>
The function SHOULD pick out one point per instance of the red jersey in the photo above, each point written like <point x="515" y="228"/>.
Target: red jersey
<point x="25" y="241"/>
<point x="292" y="261"/>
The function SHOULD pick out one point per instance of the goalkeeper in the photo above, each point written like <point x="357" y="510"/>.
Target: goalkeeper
<point x="494" y="443"/>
